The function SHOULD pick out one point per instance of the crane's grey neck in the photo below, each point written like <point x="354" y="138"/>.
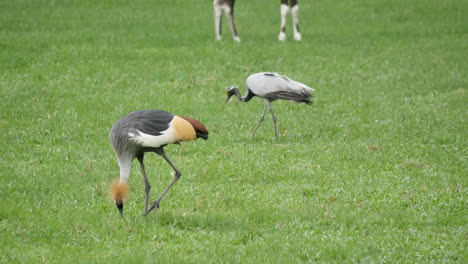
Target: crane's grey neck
<point x="125" y="164"/>
<point x="245" y="98"/>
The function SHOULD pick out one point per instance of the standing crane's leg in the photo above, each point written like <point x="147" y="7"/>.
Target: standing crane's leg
<point x="147" y="183"/>
<point x="177" y="175"/>
<point x="262" y="117"/>
<point x="267" y="103"/>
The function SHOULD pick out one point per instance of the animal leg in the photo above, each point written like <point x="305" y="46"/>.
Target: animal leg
<point x="218" y="13"/>
<point x="232" y="26"/>
<point x="177" y="175"/>
<point x="295" y="17"/>
<point x="284" y="10"/>
<point x="262" y="117"/>
<point x="273" y="117"/>
<point x="147" y="183"/>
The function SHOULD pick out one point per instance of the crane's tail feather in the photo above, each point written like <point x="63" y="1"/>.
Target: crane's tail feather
<point x="303" y="97"/>
<point x="119" y="190"/>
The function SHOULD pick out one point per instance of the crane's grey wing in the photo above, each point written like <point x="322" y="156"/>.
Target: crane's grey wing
<point x="151" y="121"/>
<point x="140" y="128"/>
<point x="286" y="83"/>
<point x="264" y="83"/>
<point x="298" y="85"/>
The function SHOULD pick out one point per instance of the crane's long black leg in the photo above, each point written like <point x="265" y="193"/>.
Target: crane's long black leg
<point x="177" y="175"/>
<point x="273" y="117"/>
<point x="262" y="117"/>
<point x="147" y="183"/>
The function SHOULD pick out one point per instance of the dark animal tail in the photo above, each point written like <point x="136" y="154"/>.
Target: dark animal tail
<point x="291" y="2"/>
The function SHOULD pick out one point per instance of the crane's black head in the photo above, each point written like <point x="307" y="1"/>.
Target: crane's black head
<point x="120" y="207"/>
<point x="119" y="191"/>
<point x="230" y="92"/>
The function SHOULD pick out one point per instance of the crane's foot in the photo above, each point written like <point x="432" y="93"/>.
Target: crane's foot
<point x="155" y="205"/>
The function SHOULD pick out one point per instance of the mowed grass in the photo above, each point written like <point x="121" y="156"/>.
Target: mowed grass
<point x="374" y="171"/>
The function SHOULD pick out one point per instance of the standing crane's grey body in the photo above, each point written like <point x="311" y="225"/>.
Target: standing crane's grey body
<point x="150" y="131"/>
<point x="272" y="86"/>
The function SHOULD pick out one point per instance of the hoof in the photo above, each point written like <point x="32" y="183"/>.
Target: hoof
<point x="297" y="36"/>
<point x="282" y="36"/>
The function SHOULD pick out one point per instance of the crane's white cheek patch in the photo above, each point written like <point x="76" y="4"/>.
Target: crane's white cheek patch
<point x="147" y="140"/>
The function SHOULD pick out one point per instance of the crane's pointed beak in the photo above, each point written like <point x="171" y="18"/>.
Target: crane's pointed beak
<point x="230" y="92"/>
<point x="120" y="207"/>
<point x="202" y="135"/>
<point x="229" y="97"/>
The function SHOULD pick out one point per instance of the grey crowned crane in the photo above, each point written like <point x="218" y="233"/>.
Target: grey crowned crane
<point x="148" y="131"/>
<point x="270" y="87"/>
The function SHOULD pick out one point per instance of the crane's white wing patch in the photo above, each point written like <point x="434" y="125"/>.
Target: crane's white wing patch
<point x="147" y="140"/>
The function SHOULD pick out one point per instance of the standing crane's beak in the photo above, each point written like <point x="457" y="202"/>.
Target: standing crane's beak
<point x="230" y="92"/>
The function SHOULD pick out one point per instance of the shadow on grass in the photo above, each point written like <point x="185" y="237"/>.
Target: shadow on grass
<point x="192" y="221"/>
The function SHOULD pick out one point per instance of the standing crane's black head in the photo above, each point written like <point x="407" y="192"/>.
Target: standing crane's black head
<point x="231" y="90"/>
<point x="119" y="191"/>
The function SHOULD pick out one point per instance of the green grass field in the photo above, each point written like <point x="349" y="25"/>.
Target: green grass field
<point x="374" y="172"/>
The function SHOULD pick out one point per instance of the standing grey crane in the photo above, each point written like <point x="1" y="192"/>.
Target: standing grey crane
<point x="148" y="131"/>
<point x="272" y="86"/>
